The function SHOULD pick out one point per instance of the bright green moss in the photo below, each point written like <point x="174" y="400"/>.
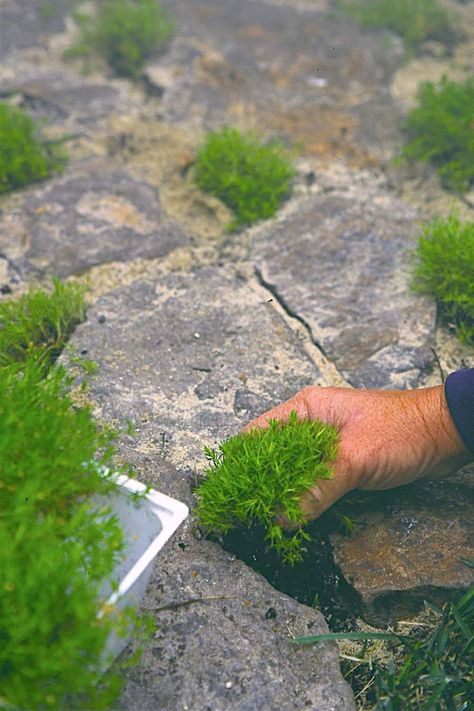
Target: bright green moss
<point x="24" y="158"/>
<point x="125" y="32"/>
<point x="261" y="474"/>
<point x="444" y="268"/>
<point x="441" y="131"/>
<point x="414" y="20"/>
<point x="56" y="550"/>
<point x="39" y="323"/>
<point x="58" y="547"/>
<point x="251" y="178"/>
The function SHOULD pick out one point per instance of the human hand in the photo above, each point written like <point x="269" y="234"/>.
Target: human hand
<point x="387" y="438"/>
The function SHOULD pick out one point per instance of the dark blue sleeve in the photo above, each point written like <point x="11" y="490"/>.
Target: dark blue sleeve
<point x="459" y="391"/>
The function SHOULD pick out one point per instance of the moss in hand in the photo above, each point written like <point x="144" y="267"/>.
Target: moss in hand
<point x="24" y="158"/>
<point x="251" y="178"/>
<point x="260" y="475"/>
<point x="444" y="268"/>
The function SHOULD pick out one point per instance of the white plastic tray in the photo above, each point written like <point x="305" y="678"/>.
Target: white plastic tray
<point x="147" y="524"/>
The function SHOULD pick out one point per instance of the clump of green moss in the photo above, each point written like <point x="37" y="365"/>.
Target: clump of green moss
<point x="56" y="546"/>
<point x="39" y="323"/>
<point x="24" y="158"/>
<point x="440" y="131"/>
<point x="261" y="474"/>
<point x="414" y="20"/>
<point x="125" y="32"/>
<point x="251" y="178"/>
<point x="444" y="268"/>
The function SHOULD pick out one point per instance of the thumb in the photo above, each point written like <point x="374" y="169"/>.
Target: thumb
<point x="322" y="495"/>
<point x="325" y="492"/>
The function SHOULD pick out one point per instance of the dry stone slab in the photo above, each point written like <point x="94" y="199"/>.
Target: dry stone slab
<point x="408" y="547"/>
<point x="91" y="215"/>
<point x="189" y="358"/>
<point x="65" y="103"/>
<point x="61" y="98"/>
<point x="26" y="23"/>
<point x="340" y="262"/>
<point x="302" y="74"/>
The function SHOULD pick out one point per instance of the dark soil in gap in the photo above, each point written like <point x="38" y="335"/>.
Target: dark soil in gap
<point x="316" y="581"/>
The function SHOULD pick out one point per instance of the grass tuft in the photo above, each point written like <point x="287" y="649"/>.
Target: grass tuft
<point x="24" y="158"/>
<point x="440" y="130"/>
<point x="38" y="323"/>
<point x="414" y="20"/>
<point x="444" y="268"/>
<point x="125" y="32"/>
<point x="431" y="668"/>
<point x="250" y="178"/>
<point x="261" y="474"/>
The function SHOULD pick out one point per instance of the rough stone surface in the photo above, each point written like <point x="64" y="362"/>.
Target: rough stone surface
<point x="227" y="653"/>
<point x="340" y="262"/>
<point x="62" y="98"/>
<point x="189" y="358"/>
<point x="408" y="546"/>
<point x="294" y="71"/>
<point x="25" y="23"/>
<point x="95" y="215"/>
<point x="196" y="354"/>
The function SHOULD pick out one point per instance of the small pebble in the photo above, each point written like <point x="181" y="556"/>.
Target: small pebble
<point x="228" y="685"/>
<point x="197" y="335"/>
<point x="196" y="533"/>
<point x="271" y="613"/>
<point x="101" y="318"/>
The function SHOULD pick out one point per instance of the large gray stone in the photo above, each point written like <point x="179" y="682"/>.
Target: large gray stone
<point x="92" y="216"/>
<point x="408" y="547"/>
<point x="189" y="358"/>
<point x="340" y="262"/>
<point x="63" y="98"/>
<point x="56" y="96"/>
<point x="297" y="72"/>
<point x="26" y="23"/>
<point x="233" y="650"/>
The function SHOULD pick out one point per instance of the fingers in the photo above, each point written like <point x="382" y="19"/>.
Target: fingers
<point x="282" y="412"/>
<point x="328" y="405"/>
<point x="320" y="497"/>
<point x="323" y="403"/>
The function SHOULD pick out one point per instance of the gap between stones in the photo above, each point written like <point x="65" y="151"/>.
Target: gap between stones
<point x="317" y="581"/>
<point x="331" y="373"/>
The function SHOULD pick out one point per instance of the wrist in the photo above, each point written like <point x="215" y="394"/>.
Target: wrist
<point x="448" y="440"/>
<point x="459" y="395"/>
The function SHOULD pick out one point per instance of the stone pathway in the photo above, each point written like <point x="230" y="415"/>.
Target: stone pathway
<point x="196" y="331"/>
